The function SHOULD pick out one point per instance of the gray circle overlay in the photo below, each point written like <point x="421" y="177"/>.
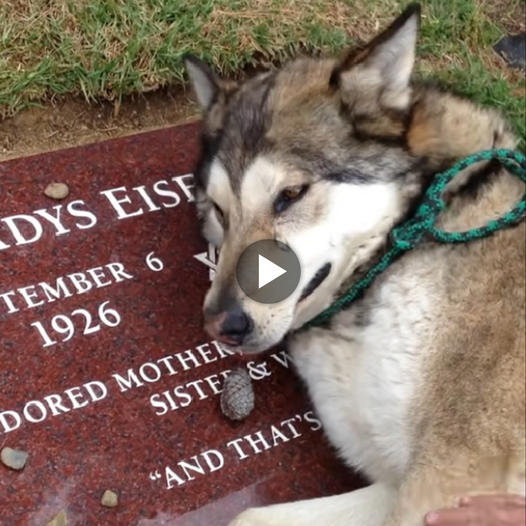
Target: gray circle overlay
<point x="248" y="267"/>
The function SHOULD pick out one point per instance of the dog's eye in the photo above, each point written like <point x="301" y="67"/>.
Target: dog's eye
<point x="289" y="195"/>
<point x="219" y="214"/>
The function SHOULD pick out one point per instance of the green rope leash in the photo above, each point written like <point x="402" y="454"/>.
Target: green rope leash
<point x="410" y="234"/>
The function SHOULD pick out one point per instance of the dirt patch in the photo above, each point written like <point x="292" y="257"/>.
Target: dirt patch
<point x="510" y="15"/>
<point x="74" y="122"/>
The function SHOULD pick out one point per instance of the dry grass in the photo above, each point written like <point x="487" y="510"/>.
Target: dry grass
<point x="510" y="14"/>
<point x="106" y="49"/>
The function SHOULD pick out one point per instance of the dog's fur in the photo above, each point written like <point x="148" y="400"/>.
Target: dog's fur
<point x="420" y="384"/>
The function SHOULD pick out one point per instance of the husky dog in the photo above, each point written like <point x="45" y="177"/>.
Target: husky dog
<point x="421" y="383"/>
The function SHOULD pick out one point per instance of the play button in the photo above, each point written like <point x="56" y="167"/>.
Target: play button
<point x="268" y="271"/>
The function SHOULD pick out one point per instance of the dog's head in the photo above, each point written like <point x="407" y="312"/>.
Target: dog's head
<point x="313" y="155"/>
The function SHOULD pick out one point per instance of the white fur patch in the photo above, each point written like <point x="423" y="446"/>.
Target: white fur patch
<point x="357" y="216"/>
<point x="363" y="379"/>
<point x="260" y="183"/>
<point x="219" y="191"/>
<point x="219" y="188"/>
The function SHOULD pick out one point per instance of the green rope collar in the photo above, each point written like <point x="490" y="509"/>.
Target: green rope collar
<point x="410" y="234"/>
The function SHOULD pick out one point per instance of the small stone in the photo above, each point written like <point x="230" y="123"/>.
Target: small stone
<point x="512" y="48"/>
<point x="60" y="519"/>
<point x="110" y="499"/>
<point x="14" y="458"/>
<point x="56" y="191"/>
<point x="237" y="397"/>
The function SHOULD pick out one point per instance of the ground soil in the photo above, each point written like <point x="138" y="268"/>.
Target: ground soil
<point x="74" y="122"/>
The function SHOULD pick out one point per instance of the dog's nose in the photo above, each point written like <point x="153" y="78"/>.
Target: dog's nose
<point x="230" y="326"/>
<point x="236" y="325"/>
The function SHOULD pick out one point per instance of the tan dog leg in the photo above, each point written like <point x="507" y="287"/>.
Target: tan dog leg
<point x="434" y="486"/>
<point x="364" y="507"/>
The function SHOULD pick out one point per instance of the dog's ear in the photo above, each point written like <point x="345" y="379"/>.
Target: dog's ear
<point x="204" y="82"/>
<point x="382" y="69"/>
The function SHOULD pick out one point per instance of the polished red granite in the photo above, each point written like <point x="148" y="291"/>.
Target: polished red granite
<point x="107" y="379"/>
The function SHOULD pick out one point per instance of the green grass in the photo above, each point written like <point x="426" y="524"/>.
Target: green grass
<point x="109" y="48"/>
<point x="106" y="49"/>
<point x="456" y="46"/>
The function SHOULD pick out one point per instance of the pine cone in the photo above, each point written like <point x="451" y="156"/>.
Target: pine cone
<point x="237" y="398"/>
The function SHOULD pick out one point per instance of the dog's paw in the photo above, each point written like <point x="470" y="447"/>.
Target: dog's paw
<point x="253" y="517"/>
